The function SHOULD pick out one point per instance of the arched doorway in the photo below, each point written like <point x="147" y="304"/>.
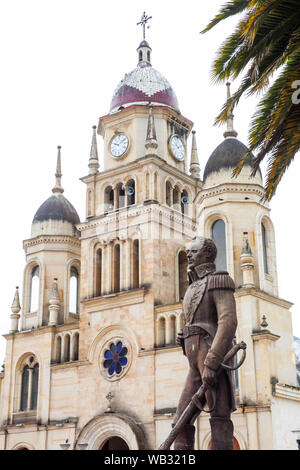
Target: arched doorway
<point x="114" y="443"/>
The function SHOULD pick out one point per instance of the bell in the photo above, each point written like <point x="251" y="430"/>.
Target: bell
<point x="185" y="200"/>
<point x="130" y="190"/>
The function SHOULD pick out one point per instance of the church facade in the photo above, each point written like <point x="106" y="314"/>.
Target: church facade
<point x="91" y="358"/>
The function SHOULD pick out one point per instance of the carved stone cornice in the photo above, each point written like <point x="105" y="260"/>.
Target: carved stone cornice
<point x="230" y="188"/>
<point x="288" y="392"/>
<point x="137" y="211"/>
<point x="44" y="242"/>
<point x="115" y="300"/>
<point x="139" y="163"/>
<point x="255" y="292"/>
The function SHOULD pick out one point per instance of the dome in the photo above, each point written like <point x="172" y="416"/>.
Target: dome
<point x="224" y="159"/>
<point x="144" y="84"/>
<point x="56" y="216"/>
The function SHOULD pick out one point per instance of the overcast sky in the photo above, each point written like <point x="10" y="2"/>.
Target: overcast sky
<point x="60" y="63"/>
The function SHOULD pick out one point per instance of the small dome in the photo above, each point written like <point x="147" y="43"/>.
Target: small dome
<point x="56" y="216"/>
<point x="222" y="162"/>
<point x="142" y="85"/>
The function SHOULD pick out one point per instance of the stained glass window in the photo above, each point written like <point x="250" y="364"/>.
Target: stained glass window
<point x="115" y="358"/>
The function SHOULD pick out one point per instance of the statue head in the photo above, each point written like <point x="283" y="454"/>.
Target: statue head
<point x="199" y="251"/>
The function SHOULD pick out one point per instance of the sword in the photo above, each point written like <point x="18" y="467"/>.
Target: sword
<point x="195" y="407"/>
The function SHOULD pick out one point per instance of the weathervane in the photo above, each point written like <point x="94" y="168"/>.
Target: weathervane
<point x="143" y="22"/>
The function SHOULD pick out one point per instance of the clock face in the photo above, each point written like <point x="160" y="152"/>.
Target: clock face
<point x="119" y="145"/>
<point x="177" y="147"/>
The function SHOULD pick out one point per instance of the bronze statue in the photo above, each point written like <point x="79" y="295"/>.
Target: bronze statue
<point x="210" y="324"/>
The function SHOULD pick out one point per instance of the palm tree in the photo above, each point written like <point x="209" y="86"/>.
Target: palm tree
<point x="266" y="40"/>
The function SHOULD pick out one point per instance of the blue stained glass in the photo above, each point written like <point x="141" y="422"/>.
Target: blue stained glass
<point x="112" y="368"/>
<point x="115" y="358"/>
<point x="108" y="354"/>
<point x="123" y="352"/>
<point x="108" y="363"/>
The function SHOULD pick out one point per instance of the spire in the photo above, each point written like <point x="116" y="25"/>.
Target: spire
<point x="151" y="142"/>
<point x="230" y="132"/>
<point x="58" y="187"/>
<point x="94" y="160"/>
<point x="15" y="308"/>
<point x="194" y="164"/>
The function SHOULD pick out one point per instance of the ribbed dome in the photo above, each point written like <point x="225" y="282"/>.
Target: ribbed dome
<point x="56" y="216"/>
<point x="143" y="84"/>
<point x="224" y="159"/>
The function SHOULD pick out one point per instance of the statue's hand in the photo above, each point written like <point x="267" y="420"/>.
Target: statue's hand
<point x="209" y="377"/>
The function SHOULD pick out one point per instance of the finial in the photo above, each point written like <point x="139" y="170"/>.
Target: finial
<point x="58" y="187"/>
<point x="94" y="160"/>
<point x="247" y="263"/>
<point x="230" y="132"/>
<point x="15" y="308"/>
<point x="246" y="250"/>
<point x="194" y="164"/>
<point x="54" y="304"/>
<point x="54" y="292"/>
<point x="151" y="141"/>
<point x="264" y="323"/>
<point x="143" y="23"/>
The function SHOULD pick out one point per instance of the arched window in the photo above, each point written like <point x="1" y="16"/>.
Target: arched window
<point x="130" y="190"/>
<point x="73" y="292"/>
<point x="182" y="273"/>
<point x="75" y="347"/>
<point x="66" y="348"/>
<point x="108" y="199"/>
<point x="184" y="202"/>
<point x="34" y="390"/>
<point x="172" y="332"/>
<point x="136" y="264"/>
<point x="29" y="385"/>
<point x="218" y="235"/>
<point x="98" y="273"/>
<point x="265" y="250"/>
<point x="161" y="332"/>
<point x="58" y="349"/>
<point x="176" y="198"/>
<point x="140" y="56"/>
<point x="120" y="196"/>
<point x="116" y="276"/>
<point x="148" y="56"/>
<point x="34" y="289"/>
<point x="168" y="193"/>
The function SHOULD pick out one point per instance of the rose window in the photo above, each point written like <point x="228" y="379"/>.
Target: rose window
<point x="115" y="358"/>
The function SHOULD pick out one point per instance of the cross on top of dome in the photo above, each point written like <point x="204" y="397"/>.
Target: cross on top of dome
<point x="143" y="22"/>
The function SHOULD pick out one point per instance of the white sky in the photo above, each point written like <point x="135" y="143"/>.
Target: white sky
<point x="60" y="63"/>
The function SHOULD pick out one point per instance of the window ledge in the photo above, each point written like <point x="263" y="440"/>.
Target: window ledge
<point x="21" y="417"/>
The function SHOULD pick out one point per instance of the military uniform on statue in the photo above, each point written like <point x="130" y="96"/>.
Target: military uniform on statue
<point x="209" y="328"/>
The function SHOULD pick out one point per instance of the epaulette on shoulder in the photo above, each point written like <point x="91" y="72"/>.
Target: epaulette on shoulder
<point x="220" y="280"/>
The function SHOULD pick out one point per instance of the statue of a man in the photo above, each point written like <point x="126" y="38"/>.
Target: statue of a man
<point x="210" y="323"/>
